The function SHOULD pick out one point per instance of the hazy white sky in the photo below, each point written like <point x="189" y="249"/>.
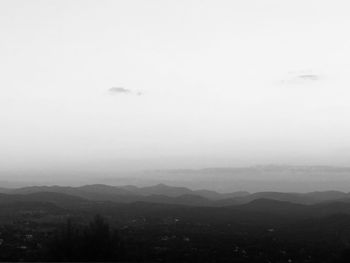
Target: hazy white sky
<point x="178" y="83"/>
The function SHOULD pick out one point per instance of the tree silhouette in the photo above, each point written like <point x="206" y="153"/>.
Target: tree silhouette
<point x="94" y="242"/>
<point x="100" y="243"/>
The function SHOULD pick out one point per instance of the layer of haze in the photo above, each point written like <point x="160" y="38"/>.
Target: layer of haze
<point x="120" y="85"/>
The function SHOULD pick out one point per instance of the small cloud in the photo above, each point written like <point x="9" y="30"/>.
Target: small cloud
<point x="118" y="90"/>
<point x="301" y="77"/>
<point x="122" y="90"/>
<point x="311" y="77"/>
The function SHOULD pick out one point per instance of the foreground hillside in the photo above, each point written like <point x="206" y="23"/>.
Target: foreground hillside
<point x="44" y="226"/>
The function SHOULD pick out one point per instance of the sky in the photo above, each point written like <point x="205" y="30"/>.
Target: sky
<point x="135" y="84"/>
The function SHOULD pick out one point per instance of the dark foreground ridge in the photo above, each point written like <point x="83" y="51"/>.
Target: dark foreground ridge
<point x="172" y="224"/>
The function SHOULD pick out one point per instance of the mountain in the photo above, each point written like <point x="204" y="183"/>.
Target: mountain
<point x="173" y="191"/>
<point x="184" y="206"/>
<point x="297" y="198"/>
<point x="127" y="193"/>
<point x="162" y="189"/>
<point x="217" y="196"/>
<point x="156" y="194"/>
<point x="62" y="200"/>
<point x="4" y="190"/>
<point x="14" y="207"/>
<point x="93" y="192"/>
<point x="95" y="188"/>
<point x="321" y="196"/>
<point x="275" y="207"/>
<point x="162" y="193"/>
<point x="262" y="230"/>
<point x="188" y="200"/>
<point x="279" y="178"/>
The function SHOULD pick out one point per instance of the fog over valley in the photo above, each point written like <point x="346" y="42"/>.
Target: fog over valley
<point x="282" y="178"/>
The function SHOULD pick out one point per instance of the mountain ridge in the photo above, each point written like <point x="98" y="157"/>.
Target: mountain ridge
<point x="162" y="193"/>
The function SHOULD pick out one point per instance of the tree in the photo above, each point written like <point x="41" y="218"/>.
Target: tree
<point x="93" y="242"/>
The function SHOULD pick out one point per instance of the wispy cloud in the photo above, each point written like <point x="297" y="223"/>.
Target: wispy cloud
<point x="309" y="77"/>
<point x="124" y="91"/>
<point x="119" y="90"/>
<point x="301" y="77"/>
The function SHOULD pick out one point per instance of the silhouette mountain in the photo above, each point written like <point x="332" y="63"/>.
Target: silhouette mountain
<point x="162" y="193"/>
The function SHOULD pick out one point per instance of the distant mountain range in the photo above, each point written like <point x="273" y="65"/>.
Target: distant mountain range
<point x="184" y="206"/>
<point x="169" y="215"/>
<point x="180" y="217"/>
<point x="280" y="178"/>
<point x="166" y="194"/>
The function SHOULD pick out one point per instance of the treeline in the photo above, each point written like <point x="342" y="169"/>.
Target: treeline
<point x="96" y="241"/>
